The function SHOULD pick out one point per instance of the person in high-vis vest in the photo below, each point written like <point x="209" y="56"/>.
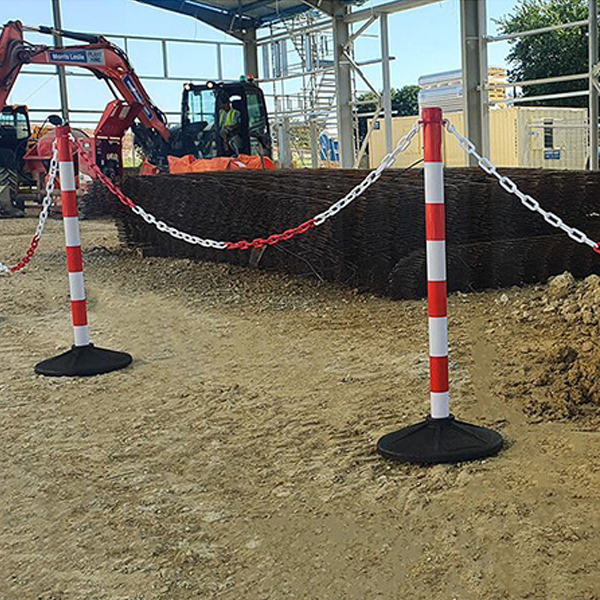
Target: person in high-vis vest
<point x="229" y="128"/>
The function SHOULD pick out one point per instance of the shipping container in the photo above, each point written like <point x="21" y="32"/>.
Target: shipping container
<point x="532" y="137"/>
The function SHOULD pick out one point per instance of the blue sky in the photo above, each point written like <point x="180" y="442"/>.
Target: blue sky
<point x="423" y="40"/>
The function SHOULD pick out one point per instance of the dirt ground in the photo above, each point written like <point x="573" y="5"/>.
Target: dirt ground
<point x="236" y="458"/>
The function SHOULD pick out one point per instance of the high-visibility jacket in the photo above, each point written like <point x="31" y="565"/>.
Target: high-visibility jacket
<point x="229" y="118"/>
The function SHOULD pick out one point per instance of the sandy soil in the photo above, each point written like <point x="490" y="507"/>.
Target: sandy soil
<point x="236" y="458"/>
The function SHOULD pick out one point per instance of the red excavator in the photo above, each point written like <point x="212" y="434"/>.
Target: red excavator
<point x="198" y="135"/>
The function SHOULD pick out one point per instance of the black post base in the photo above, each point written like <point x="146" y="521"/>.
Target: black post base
<point x="436" y="441"/>
<point x="83" y="361"/>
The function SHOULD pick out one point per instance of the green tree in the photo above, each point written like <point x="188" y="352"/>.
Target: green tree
<point x="563" y="52"/>
<point x="405" y="102"/>
<point x="368" y="102"/>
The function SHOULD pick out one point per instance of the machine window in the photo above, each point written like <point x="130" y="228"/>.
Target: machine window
<point x="202" y="107"/>
<point x="16" y="122"/>
<point x="6" y="120"/>
<point x="256" y="114"/>
<point x="22" y="127"/>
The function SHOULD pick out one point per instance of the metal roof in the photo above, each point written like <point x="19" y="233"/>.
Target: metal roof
<point x="235" y="15"/>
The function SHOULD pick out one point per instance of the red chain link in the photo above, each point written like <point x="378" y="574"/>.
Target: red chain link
<point x="288" y="234"/>
<point x="35" y="240"/>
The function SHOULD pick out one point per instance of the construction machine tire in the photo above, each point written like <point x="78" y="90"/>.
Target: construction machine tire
<point x="10" y="204"/>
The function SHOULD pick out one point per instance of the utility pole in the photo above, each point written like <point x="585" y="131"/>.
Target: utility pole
<point x="60" y="70"/>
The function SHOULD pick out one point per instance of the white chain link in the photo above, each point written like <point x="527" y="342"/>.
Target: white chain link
<point x="370" y="179"/>
<point x="173" y="232"/>
<point x="46" y="202"/>
<point x="511" y="187"/>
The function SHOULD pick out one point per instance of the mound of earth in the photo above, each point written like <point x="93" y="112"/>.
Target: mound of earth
<point x="567" y="382"/>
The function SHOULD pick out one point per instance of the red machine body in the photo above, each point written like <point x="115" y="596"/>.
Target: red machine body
<point x="108" y="63"/>
<point x="107" y="143"/>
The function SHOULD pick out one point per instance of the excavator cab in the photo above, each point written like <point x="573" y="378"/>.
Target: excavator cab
<point x="201" y="105"/>
<point x="15" y="133"/>
<point x="15" y="128"/>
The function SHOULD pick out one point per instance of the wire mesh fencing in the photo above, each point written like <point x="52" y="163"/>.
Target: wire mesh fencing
<point x="377" y="243"/>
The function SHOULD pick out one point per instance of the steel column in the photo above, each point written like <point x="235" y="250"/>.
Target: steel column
<point x="60" y="70"/>
<point x="593" y="99"/>
<point x="386" y="77"/>
<point x="343" y="83"/>
<point x="314" y="143"/>
<point x="283" y="143"/>
<point x="219" y="62"/>
<point x="250" y="53"/>
<point x="474" y="73"/>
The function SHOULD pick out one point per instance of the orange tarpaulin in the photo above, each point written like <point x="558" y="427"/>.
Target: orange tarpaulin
<point x="148" y="168"/>
<point x="180" y="165"/>
<point x="202" y="165"/>
<point x="188" y="164"/>
<point x="243" y="161"/>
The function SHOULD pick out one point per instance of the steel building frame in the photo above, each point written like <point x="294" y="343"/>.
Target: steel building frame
<point x="346" y="27"/>
<point x="340" y="19"/>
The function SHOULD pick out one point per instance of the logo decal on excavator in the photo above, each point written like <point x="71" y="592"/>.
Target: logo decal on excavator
<point x="81" y="57"/>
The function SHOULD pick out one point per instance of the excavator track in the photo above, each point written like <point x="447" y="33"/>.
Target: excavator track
<point x="10" y="203"/>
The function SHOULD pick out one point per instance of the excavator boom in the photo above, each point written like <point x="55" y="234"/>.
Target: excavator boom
<point x="105" y="60"/>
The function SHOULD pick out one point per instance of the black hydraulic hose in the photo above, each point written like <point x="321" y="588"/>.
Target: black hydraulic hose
<point x="74" y="35"/>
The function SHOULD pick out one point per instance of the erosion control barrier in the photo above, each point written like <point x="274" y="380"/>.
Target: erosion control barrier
<point x="83" y="358"/>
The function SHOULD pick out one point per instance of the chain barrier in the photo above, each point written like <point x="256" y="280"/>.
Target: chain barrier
<point x="39" y="230"/>
<point x="511" y="187"/>
<point x="271" y="240"/>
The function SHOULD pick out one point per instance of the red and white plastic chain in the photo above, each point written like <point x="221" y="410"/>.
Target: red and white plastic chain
<point x="511" y="187"/>
<point x="271" y="240"/>
<point x="39" y="230"/>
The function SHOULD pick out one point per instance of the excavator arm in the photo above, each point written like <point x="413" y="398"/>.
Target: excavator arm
<point x="105" y="60"/>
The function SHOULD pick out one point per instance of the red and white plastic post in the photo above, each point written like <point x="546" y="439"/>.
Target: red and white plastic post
<point x="440" y="438"/>
<point x="68" y="196"/>
<point x="435" y="223"/>
<point x="83" y="358"/>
